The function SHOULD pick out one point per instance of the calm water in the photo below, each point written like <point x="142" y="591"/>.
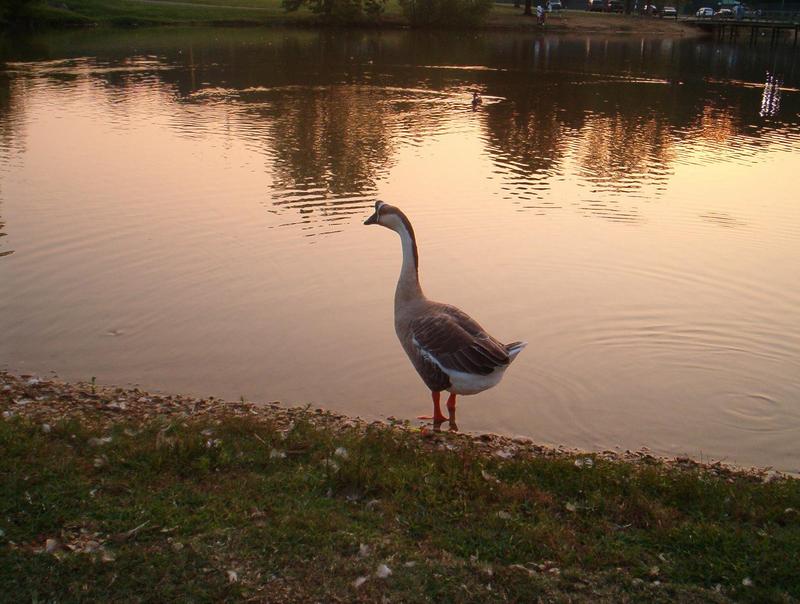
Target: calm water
<point x="183" y="209"/>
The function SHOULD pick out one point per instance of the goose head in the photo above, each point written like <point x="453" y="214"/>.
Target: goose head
<point x="389" y="217"/>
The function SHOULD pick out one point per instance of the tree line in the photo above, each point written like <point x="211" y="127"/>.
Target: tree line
<point x="452" y="13"/>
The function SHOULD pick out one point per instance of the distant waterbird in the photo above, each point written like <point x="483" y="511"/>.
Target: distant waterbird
<point x="448" y="348"/>
<point x="476" y="100"/>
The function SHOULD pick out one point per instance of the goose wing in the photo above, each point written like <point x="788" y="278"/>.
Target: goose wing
<point x="453" y="340"/>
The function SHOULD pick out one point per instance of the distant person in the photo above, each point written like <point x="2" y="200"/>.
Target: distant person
<point x="540" y="14"/>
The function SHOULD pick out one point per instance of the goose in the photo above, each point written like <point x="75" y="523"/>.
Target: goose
<point x="447" y="347"/>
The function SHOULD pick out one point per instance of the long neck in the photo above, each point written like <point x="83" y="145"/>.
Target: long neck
<point x="408" y="287"/>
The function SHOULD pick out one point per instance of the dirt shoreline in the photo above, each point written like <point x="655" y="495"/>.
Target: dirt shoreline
<point x="48" y="401"/>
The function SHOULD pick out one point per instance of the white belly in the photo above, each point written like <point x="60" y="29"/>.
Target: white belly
<point x="469" y="383"/>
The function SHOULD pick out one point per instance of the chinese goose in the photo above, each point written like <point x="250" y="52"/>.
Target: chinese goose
<point x="448" y="348"/>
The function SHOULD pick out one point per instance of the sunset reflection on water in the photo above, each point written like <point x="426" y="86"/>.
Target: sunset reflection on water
<point x="184" y="212"/>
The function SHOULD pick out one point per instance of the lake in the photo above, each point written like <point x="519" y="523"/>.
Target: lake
<point x="182" y="209"/>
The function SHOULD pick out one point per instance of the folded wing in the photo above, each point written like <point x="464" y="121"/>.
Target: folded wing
<point x="454" y="341"/>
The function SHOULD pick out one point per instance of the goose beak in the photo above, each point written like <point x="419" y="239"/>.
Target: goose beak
<point x="372" y="219"/>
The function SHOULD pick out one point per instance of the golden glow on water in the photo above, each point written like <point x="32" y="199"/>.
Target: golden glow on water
<point x="184" y="211"/>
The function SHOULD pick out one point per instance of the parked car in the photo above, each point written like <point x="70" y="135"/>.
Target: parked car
<point x="554" y="5"/>
<point x="724" y="13"/>
<point x="615" y="6"/>
<point x="669" y="11"/>
<point x="596" y="5"/>
<point x="706" y="11"/>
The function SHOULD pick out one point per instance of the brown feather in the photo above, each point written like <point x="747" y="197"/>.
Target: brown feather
<point x="458" y="342"/>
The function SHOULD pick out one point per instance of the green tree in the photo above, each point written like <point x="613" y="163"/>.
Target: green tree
<point x="340" y="10"/>
<point x="446" y="13"/>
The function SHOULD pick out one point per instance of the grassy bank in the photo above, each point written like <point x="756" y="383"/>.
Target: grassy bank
<point x="62" y="13"/>
<point x="119" y="495"/>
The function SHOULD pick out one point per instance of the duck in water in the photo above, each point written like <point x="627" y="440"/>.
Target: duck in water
<point x="476" y="100"/>
<point x="448" y="348"/>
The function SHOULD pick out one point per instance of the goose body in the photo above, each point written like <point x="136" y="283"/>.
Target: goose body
<point x="447" y="347"/>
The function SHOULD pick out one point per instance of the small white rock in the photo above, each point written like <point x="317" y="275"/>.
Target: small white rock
<point x="233" y="576"/>
<point x="359" y="582"/>
<point x="51" y="546"/>
<point x="363" y="550"/>
<point x="341" y="452"/>
<point x="46" y="428"/>
<point x="747" y="582"/>
<point x="503" y="515"/>
<point x="91" y="547"/>
<point x="275" y="454"/>
<point x="383" y="571"/>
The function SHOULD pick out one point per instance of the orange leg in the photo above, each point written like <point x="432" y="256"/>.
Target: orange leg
<point x="451" y="410"/>
<point x="451" y="405"/>
<point x="438" y="417"/>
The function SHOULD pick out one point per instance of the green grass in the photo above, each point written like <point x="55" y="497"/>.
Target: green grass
<point x="136" y="12"/>
<point x="217" y="12"/>
<point x="453" y="525"/>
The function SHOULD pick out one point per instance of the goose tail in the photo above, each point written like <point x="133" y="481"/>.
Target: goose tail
<point x="514" y="349"/>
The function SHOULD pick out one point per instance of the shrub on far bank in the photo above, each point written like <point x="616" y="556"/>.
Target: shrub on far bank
<point x="446" y="13"/>
<point x="340" y="10"/>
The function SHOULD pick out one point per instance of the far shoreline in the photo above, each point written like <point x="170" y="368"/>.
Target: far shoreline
<point x="502" y="18"/>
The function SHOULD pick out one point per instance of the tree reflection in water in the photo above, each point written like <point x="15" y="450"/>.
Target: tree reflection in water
<point x="330" y="112"/>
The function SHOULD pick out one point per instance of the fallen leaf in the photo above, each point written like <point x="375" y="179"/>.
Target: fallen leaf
<point x="489" y="477"/>
<point x="97" y="442"/>
<point x="522" y="568"/>
<point x="383" y="571"/>
<point x="107" y="556"/>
